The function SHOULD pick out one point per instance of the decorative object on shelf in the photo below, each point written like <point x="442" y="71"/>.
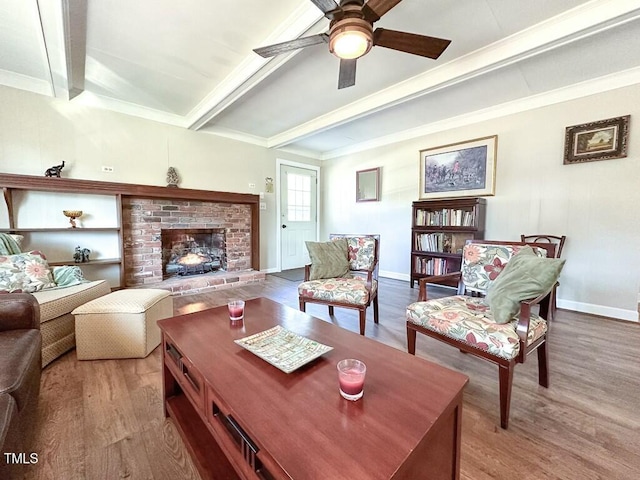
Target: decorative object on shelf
<point x="368" y="185"/>
<point x="81" y="255"/>
<point x="72" y="214"/>
<point x="173" y="179"/>
<point x="601" y="140"/>
<point x="268" y="185"/>
<point x="54" y="171"/>
<point x="465" y="169"/>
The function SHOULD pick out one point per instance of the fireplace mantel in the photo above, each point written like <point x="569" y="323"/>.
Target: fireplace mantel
<point x="11" y="182"/>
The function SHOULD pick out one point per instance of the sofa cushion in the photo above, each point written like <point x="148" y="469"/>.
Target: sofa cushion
<point x="20" y="352"/>
<point x="68" y="276"/>
<point x="25" y="272"/>
<point x="55" y="302"/>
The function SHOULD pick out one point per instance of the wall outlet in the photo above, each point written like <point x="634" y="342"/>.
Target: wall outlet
<point x="107" y="169"/>
<point x="252" y="185"/>
<point x="263" y="205"/>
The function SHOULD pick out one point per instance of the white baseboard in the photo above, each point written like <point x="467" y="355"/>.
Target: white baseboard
<point x="612" y="312"/>
<point x="394" y="275"/>
<point x="604" y="311"/>
<point x="270" y="270"/>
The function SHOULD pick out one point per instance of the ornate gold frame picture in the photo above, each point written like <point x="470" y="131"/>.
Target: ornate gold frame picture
<point x="601" y="140"/>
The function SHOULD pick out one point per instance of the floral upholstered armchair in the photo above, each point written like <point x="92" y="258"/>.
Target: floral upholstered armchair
<point x="501" y="327"/>
<point x="343" y="273"/>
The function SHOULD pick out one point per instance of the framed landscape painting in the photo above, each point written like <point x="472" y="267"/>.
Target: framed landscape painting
<point x="465" y="169"/>
<point x="601" y="140"/>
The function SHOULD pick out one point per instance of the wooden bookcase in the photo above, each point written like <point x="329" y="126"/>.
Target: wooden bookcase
<point x="439" y="230"/>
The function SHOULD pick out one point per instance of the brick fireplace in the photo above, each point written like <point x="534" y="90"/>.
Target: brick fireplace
<point x="144" y="221"/>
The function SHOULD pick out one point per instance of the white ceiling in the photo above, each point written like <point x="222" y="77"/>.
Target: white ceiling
<point x="190" y="64"/>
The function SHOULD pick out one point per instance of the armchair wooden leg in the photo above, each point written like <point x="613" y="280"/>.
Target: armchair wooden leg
<point x="331" y="310"/>
<point x="363" y="320"/>
<point x="411" y="340"/>
<point x="303" y="306"/>
<point x="506" y="382"/>
<point x="543" y="366"/>
<point x="375" y="309"/>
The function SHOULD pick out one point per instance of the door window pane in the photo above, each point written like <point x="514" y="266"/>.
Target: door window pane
<point x="298" y="198"/>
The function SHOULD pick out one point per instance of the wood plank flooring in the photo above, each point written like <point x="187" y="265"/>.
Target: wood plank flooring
<point x="103" y="419"/>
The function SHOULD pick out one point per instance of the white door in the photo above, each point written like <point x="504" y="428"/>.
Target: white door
<point x="298" y="217"/>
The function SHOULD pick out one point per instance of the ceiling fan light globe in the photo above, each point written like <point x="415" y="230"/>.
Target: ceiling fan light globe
<point x="350" y="38"/>
<point x="350" y="45"/>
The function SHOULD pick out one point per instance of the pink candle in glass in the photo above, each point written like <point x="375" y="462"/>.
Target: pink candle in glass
<point x="351" y="382"/>
<point x="236" y="310"/>
<point x="351" y="373"/>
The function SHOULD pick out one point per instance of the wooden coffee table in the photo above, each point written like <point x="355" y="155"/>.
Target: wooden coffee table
<point x="243" y="418"/>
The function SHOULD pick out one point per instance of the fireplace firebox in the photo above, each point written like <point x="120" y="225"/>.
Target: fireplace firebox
<point x="193" y="251"/>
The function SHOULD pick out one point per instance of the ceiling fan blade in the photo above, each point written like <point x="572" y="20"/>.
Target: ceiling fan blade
<point x="278" y="48"/>
<point x="347" y="75"/>
<point x="374" y="9"/>
<point x="326" y="5"/>
<point x="422" y="45"/>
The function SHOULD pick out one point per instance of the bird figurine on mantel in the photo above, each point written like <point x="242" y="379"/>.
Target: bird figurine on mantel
<point x="173" y="179"/>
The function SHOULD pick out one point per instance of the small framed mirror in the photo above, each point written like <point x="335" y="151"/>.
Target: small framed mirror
<point x="368" y="185"/>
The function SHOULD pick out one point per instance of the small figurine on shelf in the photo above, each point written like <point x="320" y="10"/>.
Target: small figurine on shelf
<point x="54" y="171"/>
<point x="81" y="255"/>
<point x="77" y="257"/>
<point x="173" y="179"/>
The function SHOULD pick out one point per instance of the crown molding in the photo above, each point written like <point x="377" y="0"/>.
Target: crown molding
<point x="93" y="100"/>
<point x="235" y="135"/>
<point x="561" y="95"/>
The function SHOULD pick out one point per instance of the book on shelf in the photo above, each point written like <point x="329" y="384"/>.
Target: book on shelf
<point x="441" y="242"/>
<point x="447" y="217"/>
<point x="435" y="266"/>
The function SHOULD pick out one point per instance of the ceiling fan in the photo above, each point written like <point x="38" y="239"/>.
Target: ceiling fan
<point x="351" y="35"/>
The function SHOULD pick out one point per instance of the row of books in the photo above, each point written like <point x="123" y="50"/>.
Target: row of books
<point x="447" y="217"/>
<point x="434" y="266"/>
<point x="435" y="242"/>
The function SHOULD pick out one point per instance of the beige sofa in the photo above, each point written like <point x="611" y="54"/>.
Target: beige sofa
<point x="56" y="322"/>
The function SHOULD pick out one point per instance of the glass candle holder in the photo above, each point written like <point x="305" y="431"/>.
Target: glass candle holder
<point x="351" y="373"/>
<point x="236" y="310"/>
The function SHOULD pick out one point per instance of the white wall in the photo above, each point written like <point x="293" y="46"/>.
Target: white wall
<point x="37" y="132"/>
<point x="596" y="205"/>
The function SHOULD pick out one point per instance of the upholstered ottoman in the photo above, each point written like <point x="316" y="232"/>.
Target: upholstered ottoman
<point x="121" y="324"/>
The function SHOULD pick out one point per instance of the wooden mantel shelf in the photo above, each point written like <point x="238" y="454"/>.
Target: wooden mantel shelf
<point x="54" y="184"/>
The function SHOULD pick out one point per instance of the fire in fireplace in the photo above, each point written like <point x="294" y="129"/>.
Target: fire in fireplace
<point x="193" y="251"/>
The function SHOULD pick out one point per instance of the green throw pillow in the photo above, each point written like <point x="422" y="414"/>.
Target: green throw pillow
<point x="68" y="275"/>
<point x="328" y="259"/>
<point x="525" y="276"/>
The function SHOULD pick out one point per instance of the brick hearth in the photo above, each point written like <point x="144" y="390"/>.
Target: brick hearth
<point x="144" y="218"/>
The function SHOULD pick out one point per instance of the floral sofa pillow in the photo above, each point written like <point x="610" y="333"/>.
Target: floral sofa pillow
<point x="25" y="272"/>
